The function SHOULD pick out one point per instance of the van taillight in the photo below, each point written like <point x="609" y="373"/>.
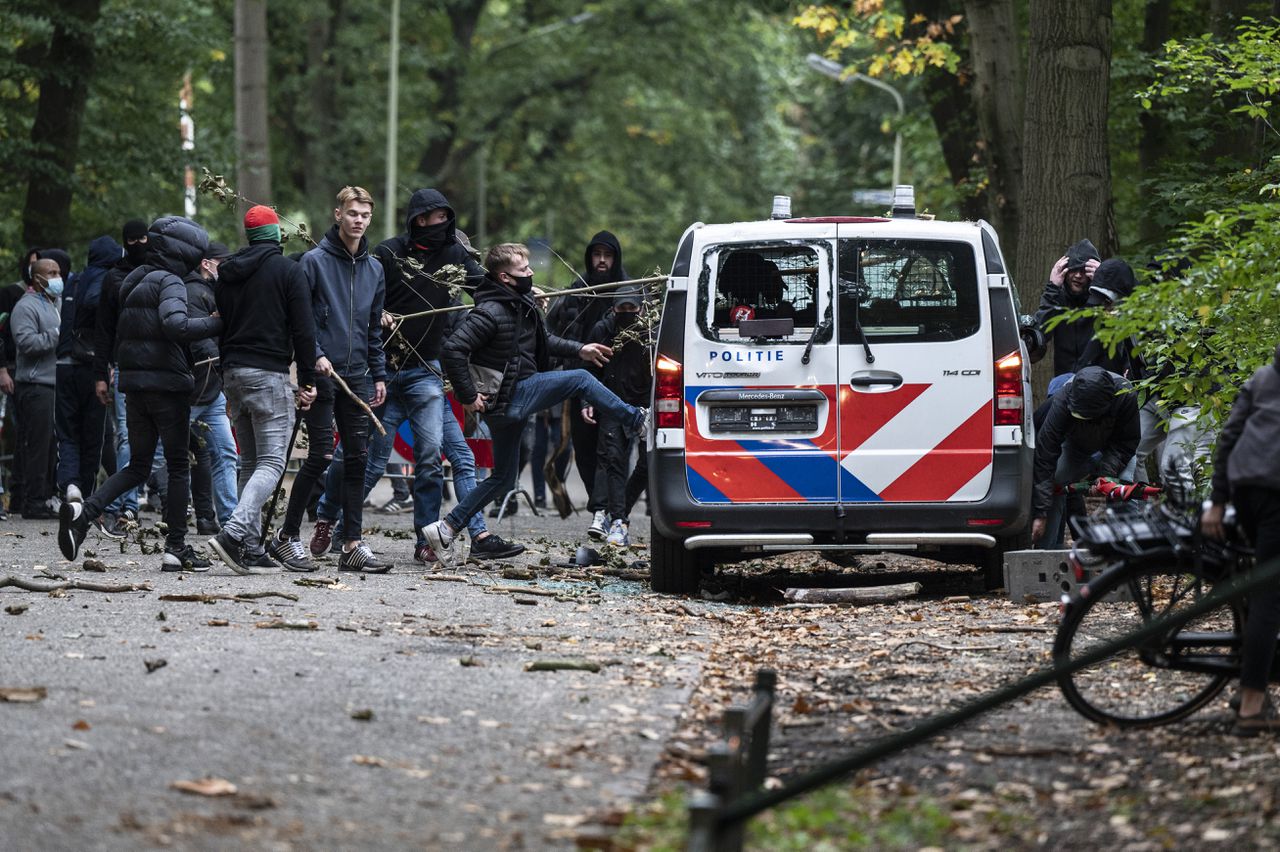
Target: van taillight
<point x="668" y="395"/>
<point x="1009" y="390"/>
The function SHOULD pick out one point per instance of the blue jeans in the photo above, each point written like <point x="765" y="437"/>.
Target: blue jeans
<point x="222" y="454"/>
<point x="128" y="501"/>
<point x="262" y="405"/>
<point x="463" y="463"/>
<point x="531" y="395"/>
<point x="1074" y="464"/>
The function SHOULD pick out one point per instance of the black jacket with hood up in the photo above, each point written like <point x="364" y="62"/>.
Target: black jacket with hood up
<point x="1113" y="282"/>
<point x="1110" y="425"/>
<point x="267" y="319"/>
<point x="490" y="337"/>
<point x="575" y="316"/>
<point x="80" y="305"/>
<point x="1069" y="338"/>
<point x="410" y="290"/>
<point x="154" y="328"/>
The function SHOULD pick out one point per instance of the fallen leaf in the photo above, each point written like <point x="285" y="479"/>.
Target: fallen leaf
<point x="206" y="787"/>
<point x="367" y="760"/>
<point x="22" y="694"/>
<point x="218" y="622"/>
<point x="363" y="715"/>
<point x="17" y="609"/>
<point x="81" y="725"/>
<point x="152" y="665"/>
<point x="94" y="565"/>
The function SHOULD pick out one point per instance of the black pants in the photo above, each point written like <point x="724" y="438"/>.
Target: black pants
<point x="153" y="417"/>
<point x="614" y="467"/>
<point x="37" y="405"/>
<point x="353" y="430"/>
<point x="202" y="480"/>
<point x="1259" y="512"/>
<point x="79" y="420"/>
<point x="585" y="449"/>
<point x="639" y="481"/>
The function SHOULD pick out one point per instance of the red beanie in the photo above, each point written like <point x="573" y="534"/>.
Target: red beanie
<point x="262" y="223"/>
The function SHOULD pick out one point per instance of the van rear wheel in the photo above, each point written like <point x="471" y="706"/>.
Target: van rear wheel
<point x="672" y="569"/>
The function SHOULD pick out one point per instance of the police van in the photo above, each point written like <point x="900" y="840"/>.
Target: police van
<point x="838" y="384"/>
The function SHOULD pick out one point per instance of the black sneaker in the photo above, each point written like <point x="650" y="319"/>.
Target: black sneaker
<point x="207" y="527"/>
<point x="493" y="546"/>
<point x="185" y="559"/>
<point x="258" y="559"/>
<point x="290" y="553"/>
<point x="72" y="527"/>
<point x="361" y="558"/>
<point x="229" y="551"/>
<point x="109" y="526"/>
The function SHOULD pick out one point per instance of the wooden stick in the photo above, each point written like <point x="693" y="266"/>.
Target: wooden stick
<point x="81" y="585"/>
<point x="868" y="595"/>
<point x="360" y="402"/>
<point x="554" y="294"/>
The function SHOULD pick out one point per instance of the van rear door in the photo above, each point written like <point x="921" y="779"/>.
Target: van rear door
<point x="760" y="373"/>
<point x="915" y="371"/>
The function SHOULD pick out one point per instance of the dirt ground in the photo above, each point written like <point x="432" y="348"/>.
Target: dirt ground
<point x="1031" y="774"/>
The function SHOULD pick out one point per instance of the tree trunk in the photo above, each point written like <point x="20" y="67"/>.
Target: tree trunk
<point x="1066" y="167"/>
<point x="253" y="154"/>
<point x="320" y="123"/>
<point x="996" y="53"/>
<point x="1153" y="129"/>
<point x="952" y="110"/>
<point x="65" y="75"/>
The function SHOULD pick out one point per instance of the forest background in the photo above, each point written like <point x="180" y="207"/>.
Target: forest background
<point x="546" y="120"/>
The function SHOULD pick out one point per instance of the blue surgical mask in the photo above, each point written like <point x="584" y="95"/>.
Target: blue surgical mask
<point x="54" y="286"/>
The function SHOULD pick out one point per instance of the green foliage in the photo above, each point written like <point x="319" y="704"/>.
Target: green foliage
<point x="1204" y="330"/>
<point x="876" y="33"/>
<point x="837" y="817"/>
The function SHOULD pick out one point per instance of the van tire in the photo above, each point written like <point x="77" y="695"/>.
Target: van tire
<point x="992" y="562"/>
<point x="672" y="569"/>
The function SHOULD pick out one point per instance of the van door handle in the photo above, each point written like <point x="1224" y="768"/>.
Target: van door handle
<point x="875" y="378"/>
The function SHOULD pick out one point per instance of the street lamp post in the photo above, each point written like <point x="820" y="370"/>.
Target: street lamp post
<point x="838" y="72"/>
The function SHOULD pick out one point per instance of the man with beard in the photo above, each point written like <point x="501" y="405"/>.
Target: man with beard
<point x="415" y="389"/>
<point x="574" y="317"/>
<point x="9" y="297"/>
<point x="153" y="330"/>
<point x="35" y="323"/>
<point x="348" y="289"/>
<point x="134" y="234"/>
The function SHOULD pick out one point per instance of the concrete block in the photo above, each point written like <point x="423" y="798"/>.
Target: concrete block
<point x="1041" y="575"/>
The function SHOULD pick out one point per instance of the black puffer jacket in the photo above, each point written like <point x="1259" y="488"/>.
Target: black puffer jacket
<point x="1110" y="425"/>
<point x="575" y="316"/>
<point x="203" y="352"/>
<point x="104" y="353"/>
<point x="411" y="291"/>
<point x="490" y="336"/>
<point x="154" y="328"/>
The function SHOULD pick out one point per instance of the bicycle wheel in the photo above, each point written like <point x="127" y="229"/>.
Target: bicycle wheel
<point x="1163" y="680"/>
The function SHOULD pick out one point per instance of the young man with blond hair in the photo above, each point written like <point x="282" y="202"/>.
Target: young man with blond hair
<point x="347" y="292"/>
<point x="504" y="342"/>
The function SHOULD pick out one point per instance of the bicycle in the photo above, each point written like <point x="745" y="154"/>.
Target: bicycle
<point x="1161" y="565"/>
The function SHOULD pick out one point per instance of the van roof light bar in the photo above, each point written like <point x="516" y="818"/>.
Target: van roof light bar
<point x="904" y="202"/>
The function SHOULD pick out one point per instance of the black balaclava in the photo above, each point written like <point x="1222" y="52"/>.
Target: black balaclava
<point x="431" y="237"/>
<point x="135" y="229"/>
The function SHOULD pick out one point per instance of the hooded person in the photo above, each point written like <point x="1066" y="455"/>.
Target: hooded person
<point x="268" y="323"/>
<point x="1092" y="429"/>
<point x="154" y="331"/>
<point x="1113" y="282"/>
<point x="134" y="237"/>
<point x="411" y="263"/>
<point x="80" y="416"/>
<point x="574" y="317"/>
<point x="1068" y="288"/>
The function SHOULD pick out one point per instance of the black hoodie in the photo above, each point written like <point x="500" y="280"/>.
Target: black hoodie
<point x="1069" y="338"/>
<point x="265" y="304"/>
<point x="575" y="316"/>
<point x="1108" y="422"/>
<point x="411" y="291"/>
<point x="1113" y="282"/>
<point x="80" y="302"/>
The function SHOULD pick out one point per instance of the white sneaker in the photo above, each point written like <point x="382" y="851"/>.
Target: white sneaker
<point x="440" y="537"/>
<point x="619" y="534"/>
<point x="73" y="493"/>
<point x="599" y="529"/>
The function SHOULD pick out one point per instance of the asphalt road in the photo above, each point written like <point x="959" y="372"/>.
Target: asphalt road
<point x="404" y="718"/>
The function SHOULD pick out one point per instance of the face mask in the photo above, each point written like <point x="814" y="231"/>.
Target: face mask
<point x="522" y="285"/>
<point x="430" y="237"/>
<point x="626" y="318"/>
<point x="53" y="286"/>
<point x="136" y="253"/>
